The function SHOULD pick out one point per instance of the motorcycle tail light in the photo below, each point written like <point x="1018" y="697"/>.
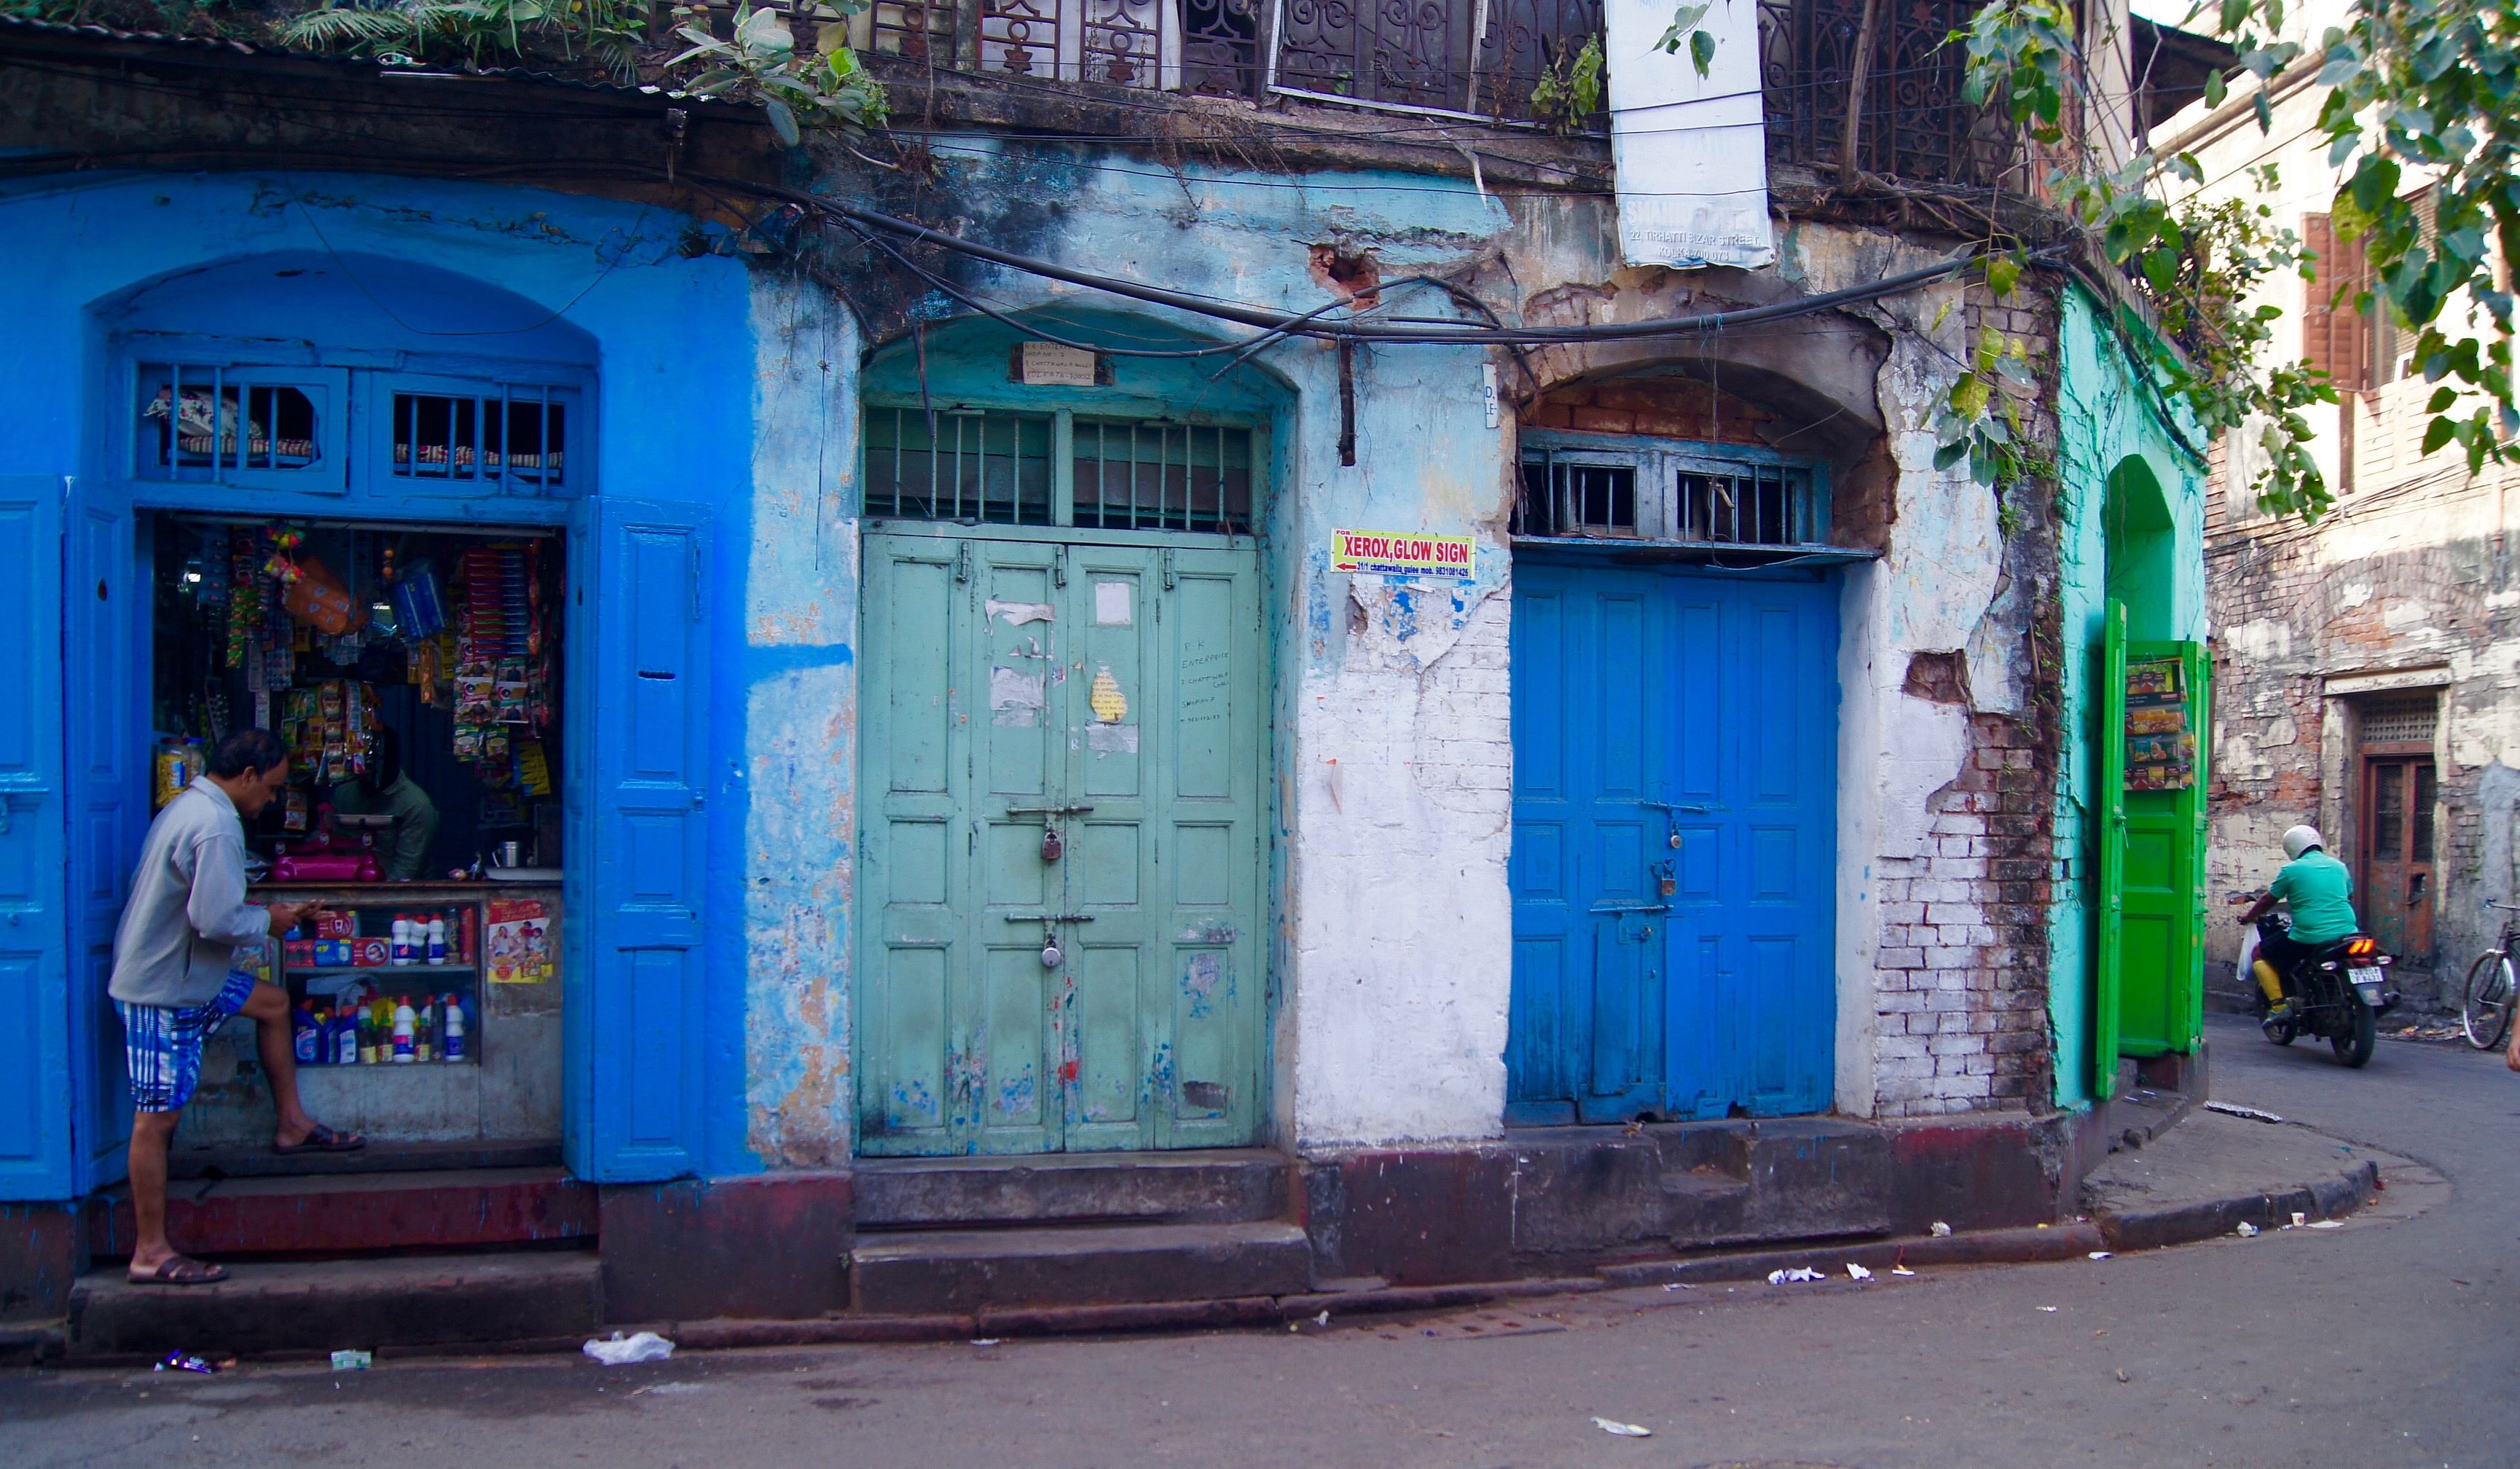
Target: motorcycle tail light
<point x="2363" y="948"/>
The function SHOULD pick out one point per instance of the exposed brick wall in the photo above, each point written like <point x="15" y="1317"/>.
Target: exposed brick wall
<point x="1658" y="407"/>
<point x="1961" y="997"/>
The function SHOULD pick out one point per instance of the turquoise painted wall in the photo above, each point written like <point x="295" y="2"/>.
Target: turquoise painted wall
<point x="2106" y="417"/>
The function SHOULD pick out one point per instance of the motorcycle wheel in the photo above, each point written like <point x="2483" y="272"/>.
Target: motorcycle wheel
<point x="2361" y="1032"/>
<point x="2283" y="1032"/>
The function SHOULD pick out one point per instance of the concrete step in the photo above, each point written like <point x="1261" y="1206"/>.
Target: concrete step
<point x="285" y="1308"/>
<point x="451" y="1209"/>
<point x="958" y="1270"/>
<point x="375" y="1157"/>
<point x="1213" y="1187"/>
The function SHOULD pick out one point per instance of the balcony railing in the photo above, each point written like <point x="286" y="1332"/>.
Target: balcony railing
<point x="1479" y="60"/>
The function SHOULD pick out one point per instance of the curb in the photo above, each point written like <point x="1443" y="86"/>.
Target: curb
<point x="2332" y="1197"/>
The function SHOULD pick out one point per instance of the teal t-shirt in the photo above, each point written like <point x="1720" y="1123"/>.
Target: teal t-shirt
<point x="2322" y="895"/>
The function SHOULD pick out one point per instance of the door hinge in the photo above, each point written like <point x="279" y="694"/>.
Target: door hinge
<point x="1058" y="565"/>
<point x="692" y="548"/>
<point x="1168" y="568"/>
<point x="962" y="562"/>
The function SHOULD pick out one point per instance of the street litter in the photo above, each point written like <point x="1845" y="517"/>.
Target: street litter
<point x="990" y="1341"/>
<point x="1941" y="1229"/>
<point x="1901" y="1270"/>
<point x="1856" y="1271"/>
<point x="2050" y="1309"/>
<point x="185" y="1361"/>
<point x="1323" y="1320"/>
<point x="1797" y="1274"/>
<point x="2299" y="1219"/>
<point x="2099" y="1255"/>
<point x="2247" y="1230"/>
<point x="352" y="1362"/>
<point x="1678" y="1285"/>
<point x="646" y="1347"/>
<point x="2327" y="1225"/>
<point x="1616" y="1428"/>
<point x="2233" y="1109"/>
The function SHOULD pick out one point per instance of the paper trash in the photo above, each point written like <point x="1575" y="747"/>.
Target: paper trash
<point x="1616" y="1428"/>
<point x="646" y="1347"/>
<point x="1901" y="1270"/>
<point x="1798" y="1273"/>
<point x="2099" y="1255"/>
<point x="1941" y="1229"/>
<point x="2328" y="1224"/>
<point x="1856" y="1271"/>
<point x="352" y="1362"/>
<point x="2247" y="1230"/>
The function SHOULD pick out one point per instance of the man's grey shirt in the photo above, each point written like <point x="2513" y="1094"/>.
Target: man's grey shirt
<point x="188" y="914"/>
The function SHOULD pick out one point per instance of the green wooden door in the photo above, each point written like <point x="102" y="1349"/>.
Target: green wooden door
<point x="1113" y="692"/>
<point x="2111" y="814"/>
<point x="2161" y="954"/>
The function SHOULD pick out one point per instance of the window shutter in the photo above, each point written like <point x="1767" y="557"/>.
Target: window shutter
<point x="2335" y="338"/>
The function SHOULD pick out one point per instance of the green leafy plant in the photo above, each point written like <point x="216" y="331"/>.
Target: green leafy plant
<point x="828" y="89"/>
<point x="1687" y="29"/>
<point x="610" y="31"/>
<point x="1570" y="88"/>
<point x="2421" y="91"/>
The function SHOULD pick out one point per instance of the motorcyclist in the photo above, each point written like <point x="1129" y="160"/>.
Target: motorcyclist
<point x="2320" y="891"/>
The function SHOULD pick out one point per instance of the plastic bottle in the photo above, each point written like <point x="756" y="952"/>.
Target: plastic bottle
<point x="438" y="939"/>
<point x="401" y="938"/>
<point x="424" y="1029"/>
<point x="345" y="1039"/>
<point x="303" y="1035"/>
<point x="453" y="1049"/>
<point x="406" y="1037"/>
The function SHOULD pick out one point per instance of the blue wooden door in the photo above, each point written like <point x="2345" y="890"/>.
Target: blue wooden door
<point x="105" y="633"/>
<point x="35" y="1074"/>
<point x="634" y="1018"/>
<point x="1674" y="809"/>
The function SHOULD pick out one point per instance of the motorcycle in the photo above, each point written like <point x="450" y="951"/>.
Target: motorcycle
<point x="2339" y="990"/>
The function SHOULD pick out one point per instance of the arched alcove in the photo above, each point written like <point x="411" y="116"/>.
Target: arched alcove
<point x="2141" y="540"/>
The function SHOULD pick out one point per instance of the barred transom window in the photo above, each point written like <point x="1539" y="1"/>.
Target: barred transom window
<point x="1593" y="485"/>
<point x="204" y="421"/>
<point x="1001" y="468"/>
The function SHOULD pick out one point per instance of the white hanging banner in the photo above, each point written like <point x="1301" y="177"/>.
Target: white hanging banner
<point x="1691" y="150"/>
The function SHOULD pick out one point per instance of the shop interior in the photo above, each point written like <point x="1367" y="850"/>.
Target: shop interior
<point x="414" y="673"/>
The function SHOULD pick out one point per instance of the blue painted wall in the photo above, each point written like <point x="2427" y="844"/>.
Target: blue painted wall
<point x="672" y="336"/>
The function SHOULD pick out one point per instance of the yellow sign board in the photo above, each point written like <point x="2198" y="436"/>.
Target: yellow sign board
<point x="1402" y="553"/>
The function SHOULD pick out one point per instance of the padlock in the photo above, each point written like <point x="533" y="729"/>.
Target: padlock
<point x="1670" y="886"/>
<point x="1050" y="955"/>
<point x="1052" y="845"/>
<point x="1675" y="839"/>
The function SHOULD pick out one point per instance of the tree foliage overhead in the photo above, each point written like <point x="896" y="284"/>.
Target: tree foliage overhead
<point x="2424" y="119"/>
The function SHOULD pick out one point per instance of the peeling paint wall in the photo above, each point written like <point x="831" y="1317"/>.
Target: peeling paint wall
<point x="800" y="720"/>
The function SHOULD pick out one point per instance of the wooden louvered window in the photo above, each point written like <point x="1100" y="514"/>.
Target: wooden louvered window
<point x="2336" y="338"/>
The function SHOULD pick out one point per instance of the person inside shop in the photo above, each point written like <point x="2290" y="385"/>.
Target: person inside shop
<point x="175" y="981"/>
<point x="385" y="789"/>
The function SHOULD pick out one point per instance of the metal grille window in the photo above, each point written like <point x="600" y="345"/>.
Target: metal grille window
<point x="1596" y="486"/>
<point x="1758" y="505"/>
<point x="1466" y="57"/>
<point x="201" y="422"/>
<point x="2404" y="719"/>
<point x="990" y="468"/>
<point x="516" y="436"/>
<point x="1577" y="498"/>
<point x="1135" y="476"/>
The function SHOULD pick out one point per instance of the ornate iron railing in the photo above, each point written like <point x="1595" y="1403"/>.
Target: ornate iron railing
<point x="1463" y="58"/>
<point x="1915" y="125"/>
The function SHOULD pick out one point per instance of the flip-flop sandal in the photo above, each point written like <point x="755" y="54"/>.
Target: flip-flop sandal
<point x="323" y="1141"/>
<point x="181" y="1270"/>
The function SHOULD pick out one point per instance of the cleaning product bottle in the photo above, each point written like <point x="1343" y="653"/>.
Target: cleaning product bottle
<point x="406" y="1037"/>
<point x="303" y="1035"/>
<point x="425" y="1033"/>
<point x="438" y="939"/>
<point x="401" y="938"/>
<point x="454" y="1044"/>
<point x="345" y="1038"/>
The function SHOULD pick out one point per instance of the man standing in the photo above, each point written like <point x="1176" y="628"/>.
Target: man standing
<point x="175" y="981"/>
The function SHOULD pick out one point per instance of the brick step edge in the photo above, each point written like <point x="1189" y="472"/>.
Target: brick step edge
<point x="2328" y="1198"/>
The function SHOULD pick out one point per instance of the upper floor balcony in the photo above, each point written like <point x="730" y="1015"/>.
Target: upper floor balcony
<point x="1476" y="61"/>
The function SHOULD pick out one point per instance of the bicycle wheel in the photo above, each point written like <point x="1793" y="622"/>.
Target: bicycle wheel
<point x="2484" y="1009"/>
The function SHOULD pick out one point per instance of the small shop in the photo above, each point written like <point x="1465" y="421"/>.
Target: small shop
<point x="414" y="672"/>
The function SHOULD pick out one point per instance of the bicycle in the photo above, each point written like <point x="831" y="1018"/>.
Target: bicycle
<point x="2485" y="1006"/>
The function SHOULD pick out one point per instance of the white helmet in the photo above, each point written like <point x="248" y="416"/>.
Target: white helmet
<point x="2300" y="839"/>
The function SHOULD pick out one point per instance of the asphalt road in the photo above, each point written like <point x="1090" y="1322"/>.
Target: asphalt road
<point x="2387" y="1341"/>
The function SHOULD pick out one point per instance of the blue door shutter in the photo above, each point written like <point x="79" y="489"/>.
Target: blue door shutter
<point x="36" y="1144"/>
<point x="105" y="634"/>
<point x="635" y="995"/>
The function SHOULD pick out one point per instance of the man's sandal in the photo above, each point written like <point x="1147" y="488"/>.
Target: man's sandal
<point x="322" y="1139"/>
<point x="180" y="1269"/>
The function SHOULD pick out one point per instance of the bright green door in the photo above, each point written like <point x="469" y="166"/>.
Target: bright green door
<point x="1113" y="694"/>
<point x="2162" y="924"/>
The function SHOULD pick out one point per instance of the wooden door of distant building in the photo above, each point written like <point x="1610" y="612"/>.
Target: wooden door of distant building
<point x="2396" y="901"/>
